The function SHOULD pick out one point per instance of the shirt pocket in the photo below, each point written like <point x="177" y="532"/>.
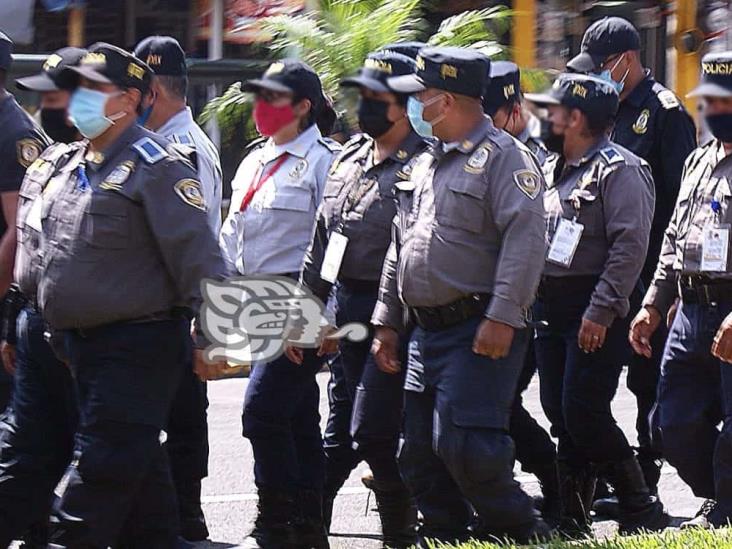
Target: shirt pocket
<point x="106" y="224"/>
<point x="290" y="198"/>
<point x="461" y="204"/>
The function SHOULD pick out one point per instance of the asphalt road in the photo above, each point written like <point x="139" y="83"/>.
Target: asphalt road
<point x="229" y="494"/>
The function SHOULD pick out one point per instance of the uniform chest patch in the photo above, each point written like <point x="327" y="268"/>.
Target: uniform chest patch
<point x="528" y="183"/>
<point x="115" y="179"/>
<point x="478" y="159"/>
<point x="641" y="125"/>
<point x="189" y="190"/>
<point x="298" y="170"/>
<point x="28" y="151"/>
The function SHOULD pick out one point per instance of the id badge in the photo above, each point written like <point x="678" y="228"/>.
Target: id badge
<point x="565" y="242"/>
<point x="715" y="247"/>
<point x="333" y="257"/>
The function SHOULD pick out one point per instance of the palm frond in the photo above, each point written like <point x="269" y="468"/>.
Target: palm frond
<point x="472" y="26"/>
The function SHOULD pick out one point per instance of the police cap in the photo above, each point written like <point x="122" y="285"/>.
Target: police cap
<point x="410" y="49"/>
<point x="163" y="54"/>
<point x="716" y="76"/>
<point x="503" y="87"/>
<point x="379" y="70"/>
<point x="47" y="79"/>
<point x="290" y="76"/>
<point x="108" y="64"/>
<point x="6" y="51"/>
<point x="606" y="37"/>
<point x="596" y="98"/>
<point x="457" y="70"/>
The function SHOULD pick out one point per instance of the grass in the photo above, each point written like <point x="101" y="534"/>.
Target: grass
<point x="670" y="539"/>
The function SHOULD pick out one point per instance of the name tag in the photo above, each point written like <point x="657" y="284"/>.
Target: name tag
<point x="565" y="242"/>
<point x="715" y="247"/>
<point x="333" y="257"/>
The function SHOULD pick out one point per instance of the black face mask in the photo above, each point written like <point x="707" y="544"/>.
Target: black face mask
<point x="372" y="117"/>
<point x="55" y="125"/>
<point x="554" y="142"/>
<point x="721" y="126"/>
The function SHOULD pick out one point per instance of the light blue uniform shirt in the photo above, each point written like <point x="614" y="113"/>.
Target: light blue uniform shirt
<point x="273" y="233"/>
<point x="181" y="128"/>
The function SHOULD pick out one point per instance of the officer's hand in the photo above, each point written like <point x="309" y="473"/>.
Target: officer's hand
<point x="8" y="354"/>
<point x="493" y="339"/>
<point x="671" y="314"/>
<point x="641" y="329"/>
<point x="294" y="354"/>
<point x="591" y="336"/>
<point x="206" y="370"/>
<point x="329" y="345"/>
<point x="722" y="346"/>
<point x="385" y="350"/>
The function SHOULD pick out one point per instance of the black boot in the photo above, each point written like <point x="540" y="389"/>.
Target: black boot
<point x="192" y="522"/>
<point x="273" y="528"/>
<point x="310" y="531"/>
<point x="577" y="486"/>
<point x="605" y="502"/>
<point x="551" y="507"/>
<point x="650" y="463"/>
<point x="639" y="510"/>
<point x="398" y="513"/>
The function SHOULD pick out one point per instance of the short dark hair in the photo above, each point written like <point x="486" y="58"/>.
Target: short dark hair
<point x="175" y="85"/>
<point x="599" y="125"/>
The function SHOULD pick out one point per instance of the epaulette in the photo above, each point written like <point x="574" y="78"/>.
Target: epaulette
<point x="150" y="151"/>
<point x="503" y="140"/>
<point x="183" y="139"/>
<point x="349" y="148"/>
<point x="330" y="144"/>
<point x="611" y="155"/>
<point x="254" y="144"/>
<point x="183" y="152"/>
<point x="666" y="97"/>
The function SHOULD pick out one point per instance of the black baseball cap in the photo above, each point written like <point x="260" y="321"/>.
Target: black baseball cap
<point x="716" y="76"/>
<point x="290" y="76"/>
<point x="503" y="87"/>
<point x="163" y="54"/>
<point x="596" y="98"/>
<point x="6" y="51"/>
<point x="410" y="49"/>
<point x="457" y="70"/>
<point x="47" y="79"/>
<point x="108" y="64"/>
<point x="379" y="70"/>
<point x="606" y="37"/>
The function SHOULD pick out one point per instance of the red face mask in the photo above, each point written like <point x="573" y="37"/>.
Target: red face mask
<point x="270" y="119"/>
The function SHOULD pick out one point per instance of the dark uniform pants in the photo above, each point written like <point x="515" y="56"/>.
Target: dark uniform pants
<point x="694" y="397"/>
<point x="365" y="403"/>
<point x="534" y="446"/>
<point x="282" y="422"/>
<point x="457" y="455"/>
<point x="118" y="490"/>
<point x="37" y="434"/>
<point x="576" y="387"/>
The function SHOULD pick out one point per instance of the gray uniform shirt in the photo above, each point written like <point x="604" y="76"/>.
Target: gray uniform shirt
<point x="125" y="236"/>
<point x="181" y="128"/>
<point x="273" y="233"/>
<point x="359" y="203"/>
<point x="610" y="192"/>
<point x="470" y="220"/>
<point x="707" y="176"/>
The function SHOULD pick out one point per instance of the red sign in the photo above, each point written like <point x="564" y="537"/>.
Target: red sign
<point x="243" y="18"/>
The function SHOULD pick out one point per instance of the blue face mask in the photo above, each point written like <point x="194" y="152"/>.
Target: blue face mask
<point x="606" y="75"/>
<point x="86" y="111"/>
<point x="415" y="113"/>
<point x="145" y="115"/>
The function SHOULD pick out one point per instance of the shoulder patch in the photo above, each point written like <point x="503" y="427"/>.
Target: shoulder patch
<point x="611" y="155"/>
<point x="189" y="190"/>
<point x="28" y="149"/>
<point x="668" y="99"/>
<point x="183" y="139"/>
<point x="149" y="150"/>
<point x="330" y="144"/>
<point x="254" y="145"/>
<point x="528" y="182"/>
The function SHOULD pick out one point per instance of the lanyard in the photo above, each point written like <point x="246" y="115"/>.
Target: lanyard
<point x="254" y="187"/>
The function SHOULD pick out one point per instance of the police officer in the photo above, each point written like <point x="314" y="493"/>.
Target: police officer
<point x="166" y="113"/>
<point x="358" y="208"/>
<point x="276" y="193"/>
<point x="599" y="216"/>
<point x="38" y="433"/>
<point x="464" y="262"/>
<point x="128" y="220"/>
<point x="21" y="142"/>
<point x="503" y="102"/>
<point x="653" y="124"/>
<point x="694" y="266"/>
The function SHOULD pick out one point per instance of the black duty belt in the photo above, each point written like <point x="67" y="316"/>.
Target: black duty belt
<point x="434" y="319"/>
<point x="172" y="314"/>
<point x="353" y="285"/>
<point x="703" y="290"/>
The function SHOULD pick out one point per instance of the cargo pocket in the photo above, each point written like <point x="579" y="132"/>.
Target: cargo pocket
<point x="106" y="224"/>
<point x="461" y="204"/>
